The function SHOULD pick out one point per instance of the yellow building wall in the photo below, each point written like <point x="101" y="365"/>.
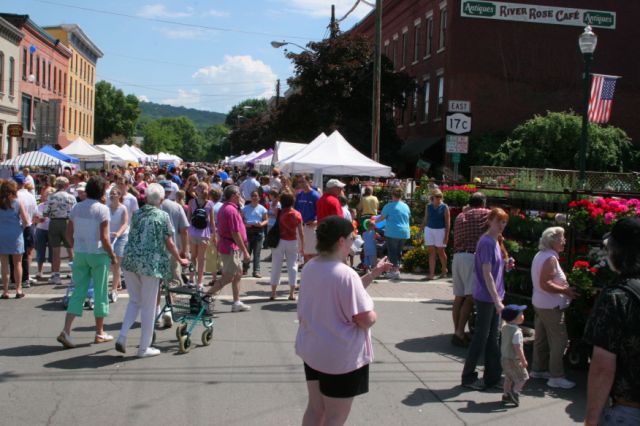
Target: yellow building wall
<point x="81" y="81"/>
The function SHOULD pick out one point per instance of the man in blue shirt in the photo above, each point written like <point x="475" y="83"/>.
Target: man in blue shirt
<point x="249" y="185"/>
<point x="255" y="219"/>
<point x="306" y="205"/>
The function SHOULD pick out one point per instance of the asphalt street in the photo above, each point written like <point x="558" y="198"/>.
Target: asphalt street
<point x="250" y="375"/>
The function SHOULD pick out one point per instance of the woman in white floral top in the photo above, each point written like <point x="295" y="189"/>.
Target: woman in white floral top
<point x="146" y="261"/>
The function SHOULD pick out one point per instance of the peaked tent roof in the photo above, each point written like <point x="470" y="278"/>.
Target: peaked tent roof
<point x="333" y="156"/>
<point x="35" y="159"/>
<point x="84" y="151"/>
<point x="49" y="150"/>
<point x="287" y="150"/>
<point x="118" y="152"/>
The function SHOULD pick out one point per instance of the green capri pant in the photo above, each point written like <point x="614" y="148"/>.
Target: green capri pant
<point x="87" y="266"/>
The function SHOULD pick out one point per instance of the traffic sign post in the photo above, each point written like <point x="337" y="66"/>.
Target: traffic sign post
<point x="458" y="126"/>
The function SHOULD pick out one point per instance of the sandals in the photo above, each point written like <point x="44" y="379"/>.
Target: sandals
<point x="292" y="298"/>
<point x="272" y="298"/>
<point x="19" y="295"/>
<point x="5" y="296"/>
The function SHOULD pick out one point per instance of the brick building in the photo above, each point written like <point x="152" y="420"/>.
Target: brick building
<point x="510" y="60"/>
<point x="43" y="67"/>
<point x="10" y="38"/>
<point x="82" y="79"/>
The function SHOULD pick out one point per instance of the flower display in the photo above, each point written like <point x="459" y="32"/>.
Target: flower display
<point x="602" y="213"/>
<point x="581" y="276"/>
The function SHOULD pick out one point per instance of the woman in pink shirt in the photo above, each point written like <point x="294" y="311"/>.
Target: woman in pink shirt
<point x="335" y="314"/>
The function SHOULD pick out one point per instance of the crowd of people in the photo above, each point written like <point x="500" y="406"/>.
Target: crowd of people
<point x="143" y="226"/>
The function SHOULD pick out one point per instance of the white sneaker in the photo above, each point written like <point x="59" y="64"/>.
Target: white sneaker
<point x="394" y="275"/>
<point x="168" y="319"/>
<point x="540" y="375"/>
<point x="560" y="382"/>
<point x="240" y="307"/>
<point x="149" y="353"/>
<point x="55" y="279"/>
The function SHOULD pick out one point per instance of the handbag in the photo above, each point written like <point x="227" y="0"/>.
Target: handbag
<point x="273" y="236"/>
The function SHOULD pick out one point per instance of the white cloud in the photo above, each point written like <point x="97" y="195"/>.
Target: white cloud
<point x="322" y="8"/>
<point x="185" y="98"/>
<point x="217" y="13"/>
<point x="159" y="10"/>
<point x="185" y="34"/>
<point x="142" y="98"/>
<point x="239" y="77"/>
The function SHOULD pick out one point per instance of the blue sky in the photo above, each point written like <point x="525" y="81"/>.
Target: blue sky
<point x="211" y="69"/>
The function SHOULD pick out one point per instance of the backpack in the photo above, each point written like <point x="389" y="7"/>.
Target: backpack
<point x="632" y="286"/>
<point x="199" y="216"/>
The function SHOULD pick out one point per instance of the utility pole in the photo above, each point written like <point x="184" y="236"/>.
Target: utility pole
<point x="277" y="93"/>
<point x="333" y="26"/>
<point x="375" y="113"/>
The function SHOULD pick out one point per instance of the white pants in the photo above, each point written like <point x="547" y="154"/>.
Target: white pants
<point x="143" y="293"/>
<point x="288" y="248"/>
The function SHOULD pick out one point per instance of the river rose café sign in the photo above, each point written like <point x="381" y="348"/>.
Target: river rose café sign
<point x="538" y="14"/>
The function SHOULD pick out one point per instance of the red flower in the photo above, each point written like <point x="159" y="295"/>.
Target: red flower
<point x="581" y="264"/>
<point x="573" y="205"/>
<point x="593" y="270"/>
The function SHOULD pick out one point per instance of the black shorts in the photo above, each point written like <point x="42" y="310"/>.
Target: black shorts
<point x="345" y="385"/>
<point x="29" y="237"/>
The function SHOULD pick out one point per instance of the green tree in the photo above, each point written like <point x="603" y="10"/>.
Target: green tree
<point x="216" y="142"/>
<point x="115" y="113"/>
<point x="333" y="85"/>
<point x="176" y="135"/>
<point x="553" y="141"/>
<point x="245" y="110"/>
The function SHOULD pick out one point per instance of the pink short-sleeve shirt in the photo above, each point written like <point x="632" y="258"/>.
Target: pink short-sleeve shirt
<point x="229" y="221"/>
<point x="328" y="339"/>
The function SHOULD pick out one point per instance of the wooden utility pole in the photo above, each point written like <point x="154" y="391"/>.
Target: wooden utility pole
<point x="277" y="93"/>
<point x="333" y="26"/>
<point x="375" y="114"/>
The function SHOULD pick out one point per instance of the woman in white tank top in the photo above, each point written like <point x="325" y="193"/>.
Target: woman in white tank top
<point x="551" y="296"/>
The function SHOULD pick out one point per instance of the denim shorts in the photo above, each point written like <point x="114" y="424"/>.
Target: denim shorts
<point x="119" y="244"/>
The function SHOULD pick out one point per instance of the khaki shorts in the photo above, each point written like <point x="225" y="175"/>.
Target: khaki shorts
<point x="309" y="232"/>
<point x="514" y="370"/>
<point x="232" y="263"/>
<point x="463" y="267"/>
<point x="199" y="240"/>
<point x="58" y="233"/>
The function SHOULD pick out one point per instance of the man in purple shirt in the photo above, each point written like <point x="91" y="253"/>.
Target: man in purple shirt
<point x="232" y="246"/>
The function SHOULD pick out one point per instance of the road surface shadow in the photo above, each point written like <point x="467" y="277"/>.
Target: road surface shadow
<point x="87" y="361"/>
<point x="439" y="344"/>
<point x="29" y="350"/>
<point x="288" y="306"/>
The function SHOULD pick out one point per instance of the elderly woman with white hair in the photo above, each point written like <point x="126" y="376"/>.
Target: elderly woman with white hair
<point x="145" y="263"/>
<point x="551" y="296"/>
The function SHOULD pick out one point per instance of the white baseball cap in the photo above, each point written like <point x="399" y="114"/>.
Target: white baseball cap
<point x="335" y="183"/>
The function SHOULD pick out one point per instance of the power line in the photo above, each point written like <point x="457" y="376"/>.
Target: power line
<point x="172" y="92"/>
<point x="166" y="21"/>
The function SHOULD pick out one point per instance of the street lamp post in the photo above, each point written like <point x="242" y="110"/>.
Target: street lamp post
<point x="587" y="42"/>
<point x="279" y="44"/>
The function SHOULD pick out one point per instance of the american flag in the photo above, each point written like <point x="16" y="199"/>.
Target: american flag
<point x="602" y="88"/>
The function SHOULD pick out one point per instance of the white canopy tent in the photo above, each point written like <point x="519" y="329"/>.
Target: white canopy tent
<point x="333" y="156"/>
<point x="140" y="153"/>
<point x="84" y="151"/>
<point x="164" y="157"/>
<point x="240" y="160"/>
<point x="284" y="150"/>
<point x="133" y="153"/>
<point x="36" y="159"/>
<point x="251" y="157"/>
<point x="122" y="156"/>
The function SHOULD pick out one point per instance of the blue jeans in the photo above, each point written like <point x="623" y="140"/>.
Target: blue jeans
<point x="42" y="246"/>
<point x="255" y="248"/>
<point x="485" y="341"/>
<point x="620" y="415"/>
<point x="394" y="249"/>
